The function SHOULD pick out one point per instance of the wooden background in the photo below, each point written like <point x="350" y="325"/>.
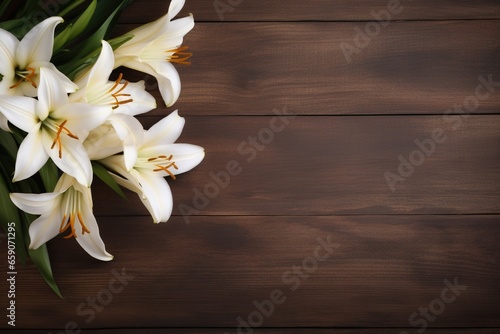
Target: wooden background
<point x="321" y="177"/>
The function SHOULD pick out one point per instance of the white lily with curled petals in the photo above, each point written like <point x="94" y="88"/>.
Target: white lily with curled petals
<point x="56" y="128"/>
<point x="122" y="133"/>
<point x="123" y="96"/>
<point x="69" y="207"/>
<point x="20" y="61"/>
<point x="155" y="46"/>
<point x="157" y="157"/>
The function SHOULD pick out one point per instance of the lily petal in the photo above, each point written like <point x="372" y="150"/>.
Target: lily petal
<point x="142" y="100"/>
<point x="130" y="131"/>
<point x="103" y="142"/>
<point x="102" y="68"/>
<point x="169" y="82"/>
<point x="8" y="45"/>
<point x="44" y="228"/>
<point x="116" y="163"/>
<point x="92" y="242"/>
<point x="174" y="37"/>
<point x="82" y="117"/>
<point x="186" y="157"/>
<point x="166" y="131"/>
<point x="175" y="7"/>
<point x="74" y="160"/>
<point x="38" y="43"/>
<point x="69" y="86"/>
<point x="31" y="155"/>
<point x="51" y="92"/>
<point x="36" y="204"/>
<point x="154" y="29"/>
<point x="20" y="111"/>
<point x="158" y="194"/>
<point x="144" y="32"/>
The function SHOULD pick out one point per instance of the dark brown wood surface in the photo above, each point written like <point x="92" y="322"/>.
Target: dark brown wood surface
<point x="254" y="68"/>
<point x="322" y="176"/>
<point x="321" y="10"/>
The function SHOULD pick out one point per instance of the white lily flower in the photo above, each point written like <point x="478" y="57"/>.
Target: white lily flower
<point x="155" y="46"/>
<point x="69" y="207"/>
<point x="157" y="157"/>
<point x="124" y="97"/>
<point x="121" y="133"/>
<point x="103" y="142"/>
<point x="20" y="61"/>
<point x="56" y="128"/>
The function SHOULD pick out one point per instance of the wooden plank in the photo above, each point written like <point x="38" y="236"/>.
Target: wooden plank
<point x="409" y="68"/>
<point x="377" y="271"/>
<point x="334" y="165"/>
<point x="320" y="10"/>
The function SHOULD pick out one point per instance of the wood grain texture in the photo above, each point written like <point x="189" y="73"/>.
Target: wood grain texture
<point x="319" y="174"/>
<point x="317" y="10"/>
<point x="209" y="272"/>
<point x="335" y="165"/>
<point x="409" y="68"/>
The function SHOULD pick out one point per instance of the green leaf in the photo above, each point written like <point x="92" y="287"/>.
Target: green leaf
<point x="83" y="20"/>
<point x="9" y="144"/>
<point x="62" y="38"/>
<point x="50" y="175"/>
<point x="105" y="15"/>
<point x="40" y="258"/>
<point x="104" y="175"/>
<point x="118" y="41"/>
<point x="68" y="9"/>
<point x="11" y="25"/>
<point x="10" y="213"/>
<point x="18" y="135"/>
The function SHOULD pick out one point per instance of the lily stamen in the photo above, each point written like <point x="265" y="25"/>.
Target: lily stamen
<point x="117" y="94"/>
<point x="179" y="56"/>
<point x="71" y="223"/>
<point x="57" y="140"/>
<point x="164" y="167"/>
<point x="25" y="76"/>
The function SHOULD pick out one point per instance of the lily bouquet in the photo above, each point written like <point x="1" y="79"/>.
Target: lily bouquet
<point x="63" y="120"/>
